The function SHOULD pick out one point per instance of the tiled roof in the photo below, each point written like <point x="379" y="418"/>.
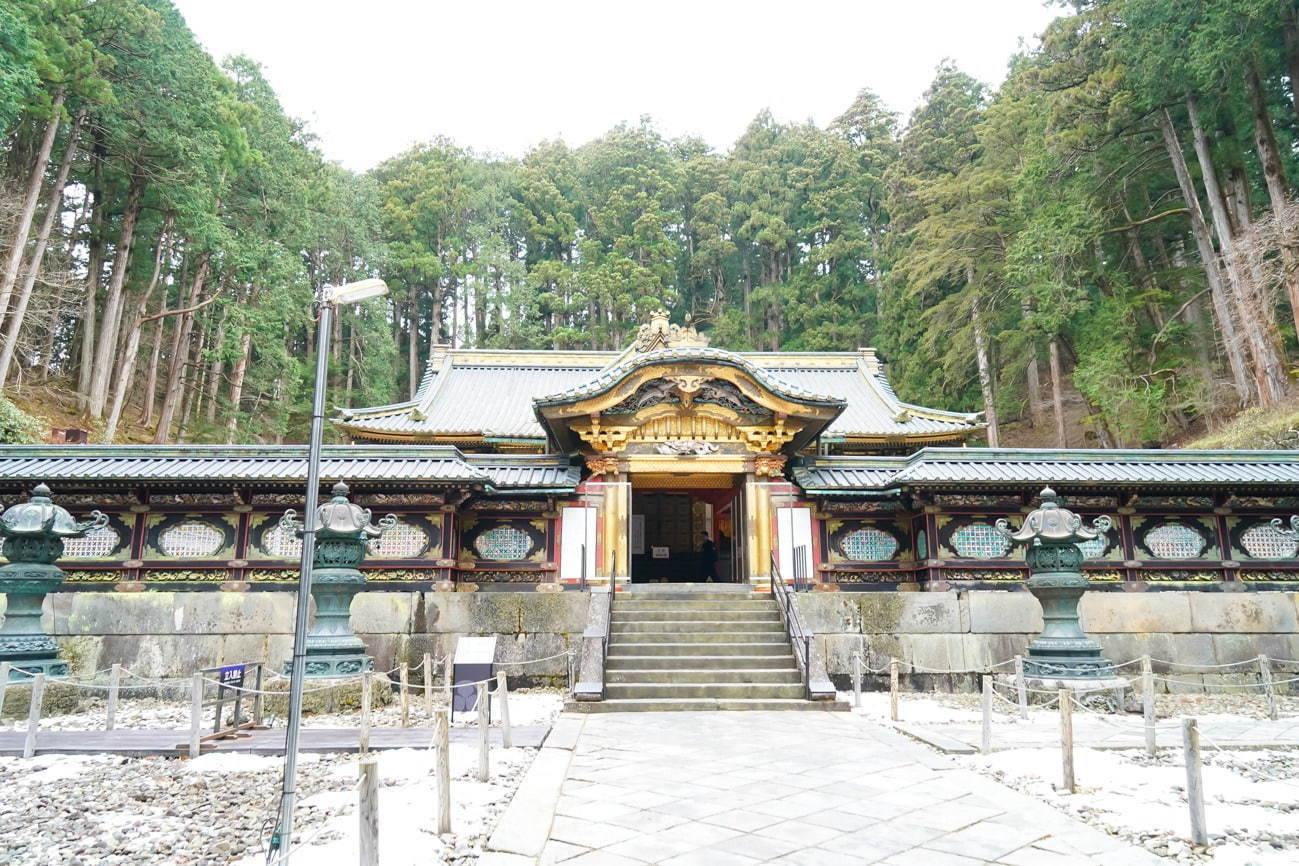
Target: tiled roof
<point x="145" y="465"/>
<point x="972" y="467"/>
<point x="612" y="375"/>
<point x="494" y="394"/>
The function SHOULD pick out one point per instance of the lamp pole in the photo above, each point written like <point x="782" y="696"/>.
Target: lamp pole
<point x="329" y="297"/>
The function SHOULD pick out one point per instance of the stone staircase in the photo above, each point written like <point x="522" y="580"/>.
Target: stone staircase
<point x="700" y="647"/>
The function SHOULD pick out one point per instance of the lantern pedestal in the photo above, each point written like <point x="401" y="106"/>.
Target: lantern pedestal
<point x="333" y="649"/>
<point x="23" y="643"/>
<point x="344" y="530"/>
<point x="1063" y="651"/>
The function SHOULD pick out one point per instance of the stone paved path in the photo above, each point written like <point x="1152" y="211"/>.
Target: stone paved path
<point x="720" y="788"/>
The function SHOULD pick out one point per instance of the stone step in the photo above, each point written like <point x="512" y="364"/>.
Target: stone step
<point x="681" y="614"/>
<point x="756" y="602"/>
<point x="699" y="648"/>
<point x="688" y="626"/>
<point x="718" y="690"/>
<point x="722" y="636"/>
<point x="675" y="594"/>
<point x="625" y="705"/>
<point x="700" y="662"/>
<point x="779" y="675"/>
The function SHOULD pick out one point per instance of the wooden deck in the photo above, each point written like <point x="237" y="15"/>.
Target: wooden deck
<point x="269" y="742"/>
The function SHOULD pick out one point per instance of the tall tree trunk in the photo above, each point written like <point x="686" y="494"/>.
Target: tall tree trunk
<point x="151" y="382"/>
<point x="985" y="371"/>
<point x="35" y="180"/>
<point x="1269" y="157"/>
<point x="52" y="214"/>
<point x="192" y="392"/>
<point x="94" y="268"/>
<point x="1290" y="27"/>
<point x="215" y="369"/>
<point x="1032" y="374"/>
<point x="1227" y="326"/>
<point x="237" y="384"/>
<point x="180" y="354"/>
<point x="126" y="367"/>
<point x="1255" y="314"/>
<point x="106" y="344"/>
<point x="1057" y="392"/>
<point x="412" y="341"/>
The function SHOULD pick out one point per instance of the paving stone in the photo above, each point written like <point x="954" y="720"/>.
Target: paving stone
<point x="758" y="847"/>
<point x="718" y="788"/>
<point x="557" y="852"/>
<point x="989" y="841"/>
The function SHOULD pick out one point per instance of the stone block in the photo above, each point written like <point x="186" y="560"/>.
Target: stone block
<point x="1232" y="648"/>
<point x="1189" y="649"/>
<point x="982" y="651"/>
<point x="913" y="613"/>
<point x="110" y="613"/>
<point x="383" y="612"/>
<point x="1120" y="647"/>
<point x="530" y="647"/>
<point x="1139" y="612"/>
<point x="838" y="650"/>
<point x="228" y="612"/>
<point x="559" y="612"/>
<point x="238" y="649"/>
<point x="474" y="612"/>
<point x="1239" y="613"/>
<point x="830" y="612"/>
<point x="993" y="611"/>
<point x="935" y="653"/>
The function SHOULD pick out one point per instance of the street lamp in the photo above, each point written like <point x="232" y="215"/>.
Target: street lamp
<point x="327" y="299"/>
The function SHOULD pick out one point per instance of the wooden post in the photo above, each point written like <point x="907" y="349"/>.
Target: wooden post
<point x="114" y="680"/>
<point x="442" y="737"/>
<point x="4" y="686"/>
<point x="856" y="680"/>
<point x="1066" y="740"/>
<point x="1269" y="692"/>
<point x="893" y="689"/>
<point x="1021" y="687"/>
<point x="405" y="695"/>
<point x="367" y="696"/>
<point x="484" y="721"/>
<point x="503" y="693"/>
<point x="1148" y="704"/>
<point x="987" y="715"/>
<point x="368" y="810"/>
<point x="259" y="699"/>
<point x="195" y="713"/>
<point x="1194" y="783"/>
<point x="428" y="685"/>
<point x="34" y="715"/>
<point x="447" y="677"/>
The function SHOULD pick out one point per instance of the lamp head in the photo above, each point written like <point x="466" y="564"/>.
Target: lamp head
<point x="354" y="293"/>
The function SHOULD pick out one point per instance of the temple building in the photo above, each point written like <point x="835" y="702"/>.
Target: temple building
<point x="670" y="461"/>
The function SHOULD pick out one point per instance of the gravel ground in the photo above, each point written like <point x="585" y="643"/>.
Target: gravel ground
<point x="527" y="707"/>
<point x="1252" y="797"/>
<point x="104" y="809"/>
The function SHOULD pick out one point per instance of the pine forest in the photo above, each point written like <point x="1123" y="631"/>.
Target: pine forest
<point x="1103" y="251"/>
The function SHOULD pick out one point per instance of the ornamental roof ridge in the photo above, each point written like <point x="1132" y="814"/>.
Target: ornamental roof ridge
<point x="612" y="375"/>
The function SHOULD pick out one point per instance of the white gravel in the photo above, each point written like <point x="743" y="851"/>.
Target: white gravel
<point x="218" y="808"/>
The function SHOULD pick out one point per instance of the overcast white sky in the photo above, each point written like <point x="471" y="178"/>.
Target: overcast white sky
<point x="372" y="77"/>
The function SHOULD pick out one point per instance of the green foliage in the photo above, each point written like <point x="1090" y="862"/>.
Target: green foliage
<point x="990" y="226"/>
<point x="17" y="427"/>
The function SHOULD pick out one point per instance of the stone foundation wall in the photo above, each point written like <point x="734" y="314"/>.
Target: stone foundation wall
<point x="967" y="631"/>
<point x="174" y="633"/>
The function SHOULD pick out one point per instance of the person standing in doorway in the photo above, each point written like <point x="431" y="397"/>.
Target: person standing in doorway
<point x="708" y="558"/>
